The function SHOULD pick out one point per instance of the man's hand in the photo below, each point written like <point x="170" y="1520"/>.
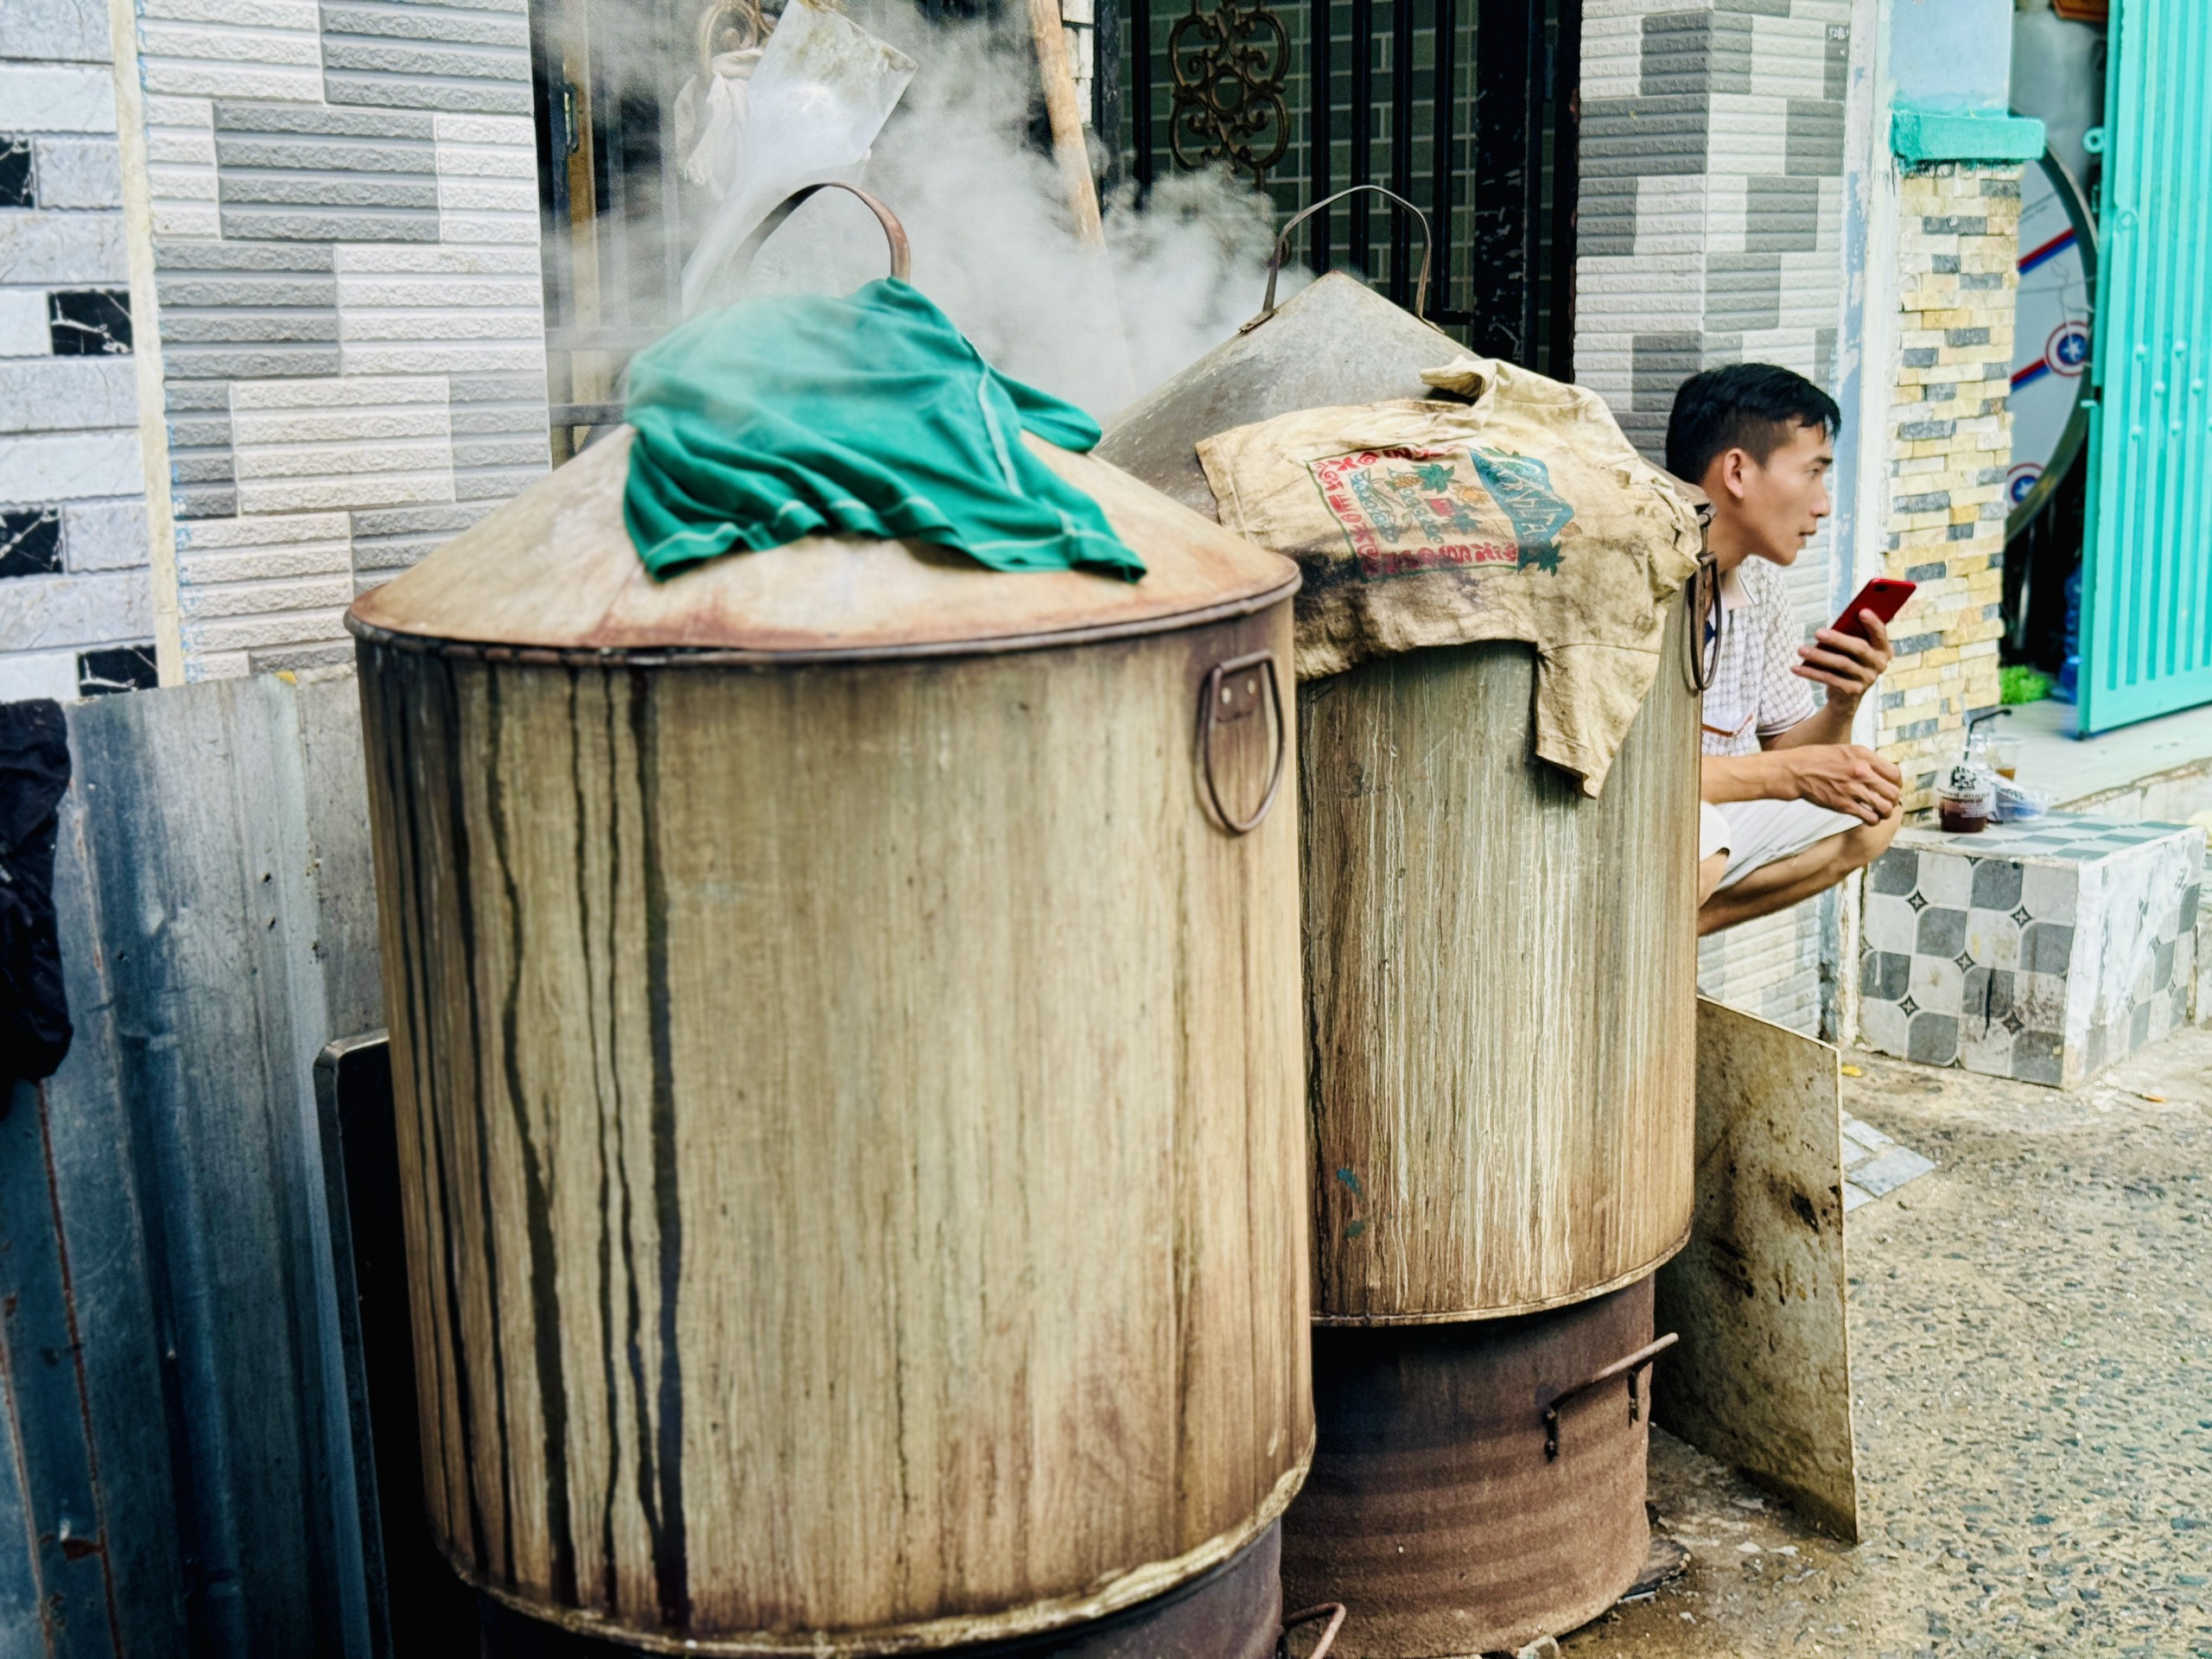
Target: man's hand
<point x="1847" y="665"/>
<point x="1845" y="777"/>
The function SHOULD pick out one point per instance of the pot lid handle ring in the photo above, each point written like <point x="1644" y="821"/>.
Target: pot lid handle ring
<point x="1282" y="247"/>
<point x="902" y="258"/>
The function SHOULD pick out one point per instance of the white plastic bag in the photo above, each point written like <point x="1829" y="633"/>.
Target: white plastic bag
<point x="716" y="160"/>
<point x="822" y="90"/>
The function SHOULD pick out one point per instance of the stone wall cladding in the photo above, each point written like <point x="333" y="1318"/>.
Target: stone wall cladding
<point x="1711" y="231"/>
<point x="345" y="238"/>
<point x="1951" y="433"/>
<point x="75" y="608"/>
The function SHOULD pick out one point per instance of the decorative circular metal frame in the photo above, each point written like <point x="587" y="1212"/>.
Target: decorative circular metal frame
<point x="2076" y="431"/>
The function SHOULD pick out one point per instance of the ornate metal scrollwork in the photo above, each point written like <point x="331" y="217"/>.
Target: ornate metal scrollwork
<point x="1229" y="64"/>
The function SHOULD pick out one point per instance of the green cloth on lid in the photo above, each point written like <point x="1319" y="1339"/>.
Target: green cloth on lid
<point x="869" y="415"/>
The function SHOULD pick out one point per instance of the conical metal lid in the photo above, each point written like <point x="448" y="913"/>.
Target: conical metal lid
<point x="555" y="570"/>
<point x="1337" y="341"/>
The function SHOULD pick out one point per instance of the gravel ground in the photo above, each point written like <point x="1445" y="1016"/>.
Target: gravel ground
<point x="2031" y="1349"/>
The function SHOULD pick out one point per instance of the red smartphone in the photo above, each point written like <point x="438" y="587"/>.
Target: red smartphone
<point x="1885" y="596"/>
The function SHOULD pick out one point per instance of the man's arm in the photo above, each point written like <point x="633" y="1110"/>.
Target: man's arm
<point x="1842" y="777"/>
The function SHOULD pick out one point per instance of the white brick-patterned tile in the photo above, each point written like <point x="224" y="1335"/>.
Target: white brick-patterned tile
<point x="29" y="674"/>
<point x="459" y="135"/>
<point x="43" y="613"/>
<point x="200" y="603"/>
<point x="338" y="393"/>
<point x="23" y="330"/>
<point x="104" y="535"/>
<point x="56" y="98"/>
<point x="49" y="394"/>
<point x="219" y="78"/>
<point x="373" y="357"/>
<point x="56" y="31"/>
<point x="211" y="566"/>
<point x="69" y="467"/>
<point x="62" y="249"/>
<point x="468" y="195"/>
<point x="355" y="259"/>
<point x="78" y="173"/>
<point x="436" y="323"/>
<point x="298" y="530"/>
<point x="255" y="632"/>
<point x="1670" y="217"/>
<point x="515" y="229"/>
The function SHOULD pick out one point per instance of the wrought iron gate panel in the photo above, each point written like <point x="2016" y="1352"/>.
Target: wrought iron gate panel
<point x="1465" y="107"/>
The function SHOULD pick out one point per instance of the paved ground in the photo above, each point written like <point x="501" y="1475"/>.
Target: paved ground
<point x="2032" y="1349"/>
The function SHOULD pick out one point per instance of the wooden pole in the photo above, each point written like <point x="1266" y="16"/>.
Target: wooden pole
<point x="1069" y="149"/>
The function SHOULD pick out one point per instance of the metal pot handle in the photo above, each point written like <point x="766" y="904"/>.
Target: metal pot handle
<point x="1632" y="1365"/>
<point x="1331" y="1611"/>
<point x="902" y="262"/>
<point x="1701" y="593"/>
<point x="1282" y="247"/>
<point x="1216" y="692"/>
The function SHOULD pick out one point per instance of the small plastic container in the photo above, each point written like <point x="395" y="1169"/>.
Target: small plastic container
<point x="2016" y="804"/>
<point x="1965" y="802"/>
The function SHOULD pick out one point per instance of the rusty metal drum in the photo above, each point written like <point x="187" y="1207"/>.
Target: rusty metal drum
<point x="848" y="1056"/>
<point x="1500" y="975"/>
<point x="1231" y="1611"/>
<point x="1479" y="1484"/>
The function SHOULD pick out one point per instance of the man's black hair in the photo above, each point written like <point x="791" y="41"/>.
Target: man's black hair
<point x="1754" y="407"/>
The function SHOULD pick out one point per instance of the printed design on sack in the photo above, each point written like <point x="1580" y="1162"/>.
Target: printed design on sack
<point x="1412" y="509"/>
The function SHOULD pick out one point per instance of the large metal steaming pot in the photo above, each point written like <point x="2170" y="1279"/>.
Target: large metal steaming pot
<point x="1500" y="982"/>
<point x="1501" y="976"/>
<point x="848" y="1073"/>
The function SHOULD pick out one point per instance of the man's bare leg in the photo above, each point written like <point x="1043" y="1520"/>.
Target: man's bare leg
<point x="1791" y="880"/>
<point x="1709" y="872"/>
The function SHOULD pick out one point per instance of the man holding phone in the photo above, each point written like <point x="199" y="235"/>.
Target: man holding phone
<point x="1791" y="804"/>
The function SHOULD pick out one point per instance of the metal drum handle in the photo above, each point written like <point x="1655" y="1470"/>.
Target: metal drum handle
<point x="1631" y="1364"/>
<point x="1217" y="691"/>
<point x="1331" y="1611"/>
<point x="1701" y="592"/>
<point x="1282" y="247"/>
<point x="902" y="260"/>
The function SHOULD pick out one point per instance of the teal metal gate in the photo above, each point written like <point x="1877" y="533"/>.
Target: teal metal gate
<point x="2147" y="603"/>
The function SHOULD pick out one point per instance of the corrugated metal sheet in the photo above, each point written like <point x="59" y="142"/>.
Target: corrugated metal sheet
<point x="2146" y="619"/>
<point x="178" y="1471"/>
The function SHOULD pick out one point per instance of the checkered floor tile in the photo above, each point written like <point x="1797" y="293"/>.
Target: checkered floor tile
<point x="1874" y="1166"/>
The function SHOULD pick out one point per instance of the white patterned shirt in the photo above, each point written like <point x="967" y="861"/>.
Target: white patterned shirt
<point x="1753" y="694"/>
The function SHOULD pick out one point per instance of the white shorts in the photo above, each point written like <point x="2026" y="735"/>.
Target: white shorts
<point x="1757" y="833"/>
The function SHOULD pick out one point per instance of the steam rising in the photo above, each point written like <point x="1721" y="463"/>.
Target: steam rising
<point x="992" y="241"/>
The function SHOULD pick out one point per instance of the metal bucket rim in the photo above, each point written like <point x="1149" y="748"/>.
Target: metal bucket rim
<point x="1139" y="1585"/>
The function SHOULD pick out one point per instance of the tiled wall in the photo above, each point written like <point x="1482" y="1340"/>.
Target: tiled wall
<point x="1951" y="433"/>
<point x="75" y="612"/>
<point x="1711" y="231"/>
<point x="346" y="236"/>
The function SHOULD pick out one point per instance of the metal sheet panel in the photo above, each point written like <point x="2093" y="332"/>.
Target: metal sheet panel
<point x="2146" y="606"/>
<point x="174" y="1385"/>
<point x="1763" y="1375"/>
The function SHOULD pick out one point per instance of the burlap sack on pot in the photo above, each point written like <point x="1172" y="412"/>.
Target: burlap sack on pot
<point x="1521" y="514"/>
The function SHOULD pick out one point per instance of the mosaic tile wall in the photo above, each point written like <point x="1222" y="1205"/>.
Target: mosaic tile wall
<point x="1711" y="231"/>
<point x="345" y="235"/>
<point x="2043" y="950"/>
<point x="1951" y="437"/>
<point x="76" y="616"/>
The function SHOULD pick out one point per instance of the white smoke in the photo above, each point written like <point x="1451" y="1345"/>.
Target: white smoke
<point x="992" y="240"/>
